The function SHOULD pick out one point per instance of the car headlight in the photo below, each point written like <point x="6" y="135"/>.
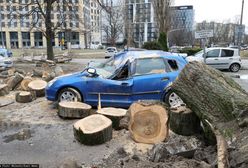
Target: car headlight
<point x="51" y="82"/>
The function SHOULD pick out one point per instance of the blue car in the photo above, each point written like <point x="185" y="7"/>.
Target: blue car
<point x="133" y="76"/>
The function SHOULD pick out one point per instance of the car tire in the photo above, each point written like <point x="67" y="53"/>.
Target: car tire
<point x="172" y="99"/>
<point x="69" y="94"/>
<point x="234" y="67"/>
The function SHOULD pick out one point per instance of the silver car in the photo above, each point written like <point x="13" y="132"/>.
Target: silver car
<point x="219" y="58"/>
<point x="5" y="59"/>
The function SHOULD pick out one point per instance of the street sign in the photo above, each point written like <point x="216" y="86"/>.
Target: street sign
<point x="204" y="34"/>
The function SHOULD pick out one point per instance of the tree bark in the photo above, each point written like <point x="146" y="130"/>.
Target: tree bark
<point x="183" y="121"/>
<point x="148" y="122"/>
<point x="25" y="82"/>
<point x="74" y="110"/>
<point x="93" y="130"/>
<point x="216" y="98"/>
<point x="115" y="114"/>
<point x="49" y="31"/>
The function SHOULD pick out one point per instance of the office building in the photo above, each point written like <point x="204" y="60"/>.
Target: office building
<point x="17" y="30"/>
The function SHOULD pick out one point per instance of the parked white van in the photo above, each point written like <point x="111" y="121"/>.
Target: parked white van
<point x="219" y="58"/>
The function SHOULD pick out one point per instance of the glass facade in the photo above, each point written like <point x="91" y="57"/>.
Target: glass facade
<point x="182" y="17"/>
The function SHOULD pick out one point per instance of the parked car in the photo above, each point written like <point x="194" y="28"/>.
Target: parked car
<point x="5" y="60"/>
<point x="110" y="51"/>
<point x="140" y="75"/>
<point x="219" y="58"/>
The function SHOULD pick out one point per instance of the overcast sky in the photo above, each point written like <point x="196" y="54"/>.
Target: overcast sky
<point x="217" y="10"/>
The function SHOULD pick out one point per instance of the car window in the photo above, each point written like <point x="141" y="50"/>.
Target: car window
<point x="227" y="53"/>
<point x="149" y="66"/>
<point x="173" y="65"/>
<point x="213" y="53"/>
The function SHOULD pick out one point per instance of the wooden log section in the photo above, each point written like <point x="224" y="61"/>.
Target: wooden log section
<point x="115" y="114"/>
<point x="148" y="122"/>
<point x="93" y="130"/>
<point x="183" y="121"/>
<point x="4" y="89"/>
<point x="14" y="81"/>
<point x="24" y="97"/>
<point x="38" y="86"/>
<point x="218" y="99"/>
<point x="25" y="82"/>
<point x="73" y="109"/>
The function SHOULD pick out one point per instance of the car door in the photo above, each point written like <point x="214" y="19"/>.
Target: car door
<point x="115" y="92"/>
<point x="150" y="78"/>
<point x="212" y="58"/>
<point x="226" y="57"/>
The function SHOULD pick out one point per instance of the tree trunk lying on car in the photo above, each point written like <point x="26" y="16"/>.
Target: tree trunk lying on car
<point x="93" y="130"/>
<point x="148" y="122"/>
<point x="217" y="100"/>
<point x="115" y="114"/>
<point x="38" y="86"/>
<point x="73" y="109"/>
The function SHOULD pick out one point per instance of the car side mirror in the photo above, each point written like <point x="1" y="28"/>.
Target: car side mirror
<point x="92" y="71"/>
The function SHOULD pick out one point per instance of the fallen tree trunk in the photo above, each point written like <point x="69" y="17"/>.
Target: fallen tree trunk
<point x="73" y="110"/>
<point x="4" y="89"/>
<point x="183" y="121"/>
<point x="218" y="99"/>
<point x="93" y="130"/>
<point x="115" y="114"/>
<point x="148" y="122"/>
<point x="38" y="86"/>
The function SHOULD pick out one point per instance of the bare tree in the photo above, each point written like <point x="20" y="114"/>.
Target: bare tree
<point x="41" y="11"/>
<point x="162" y="14"/>
<point x="112" y="24"/>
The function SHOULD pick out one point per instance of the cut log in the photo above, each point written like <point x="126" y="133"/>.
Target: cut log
<point x="24" y="97"/>
<point x="148" y="122"/>
<point x="11" y="72"/>
<point x="93" y="130"/>
<point x="13" y="82"/>
<point x="58" y="71"/>
<point x="73" y="109"/>
<point x="183" y="121"/>
<point x="216" y="98"/>
<point x="37" y="73"/>
<point x="25" y="82"/>
<point x="38" y="86"/>
<point x="21" y="71"/>
<point x="115" y="114"/>
<point x="4" y="89"/>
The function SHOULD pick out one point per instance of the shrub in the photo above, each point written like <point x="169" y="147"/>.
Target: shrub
<point x="190" y="51"/>
<point x="151" y="45"/>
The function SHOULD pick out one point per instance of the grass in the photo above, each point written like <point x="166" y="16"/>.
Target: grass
<point x="244" y="54"/>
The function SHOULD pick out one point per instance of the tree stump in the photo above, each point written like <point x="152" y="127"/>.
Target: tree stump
<point x="38" y="86"/>
<point x="25" y="82"/>
<point x="73" y="109"/>
<point x="4" y="89"/>
<point x="148" y="122"/>
<point x="115" y="114"/>
<point x="93" y="130"/>
<point x="14" y="81"/>
<point x="24" y="97"/>
<point x="183" y="121"/>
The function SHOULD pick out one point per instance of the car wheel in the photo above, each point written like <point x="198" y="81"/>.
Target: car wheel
<point x="173" y="100"/>
<point x="234" y="67"/>
<point x="69" y="94"/>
